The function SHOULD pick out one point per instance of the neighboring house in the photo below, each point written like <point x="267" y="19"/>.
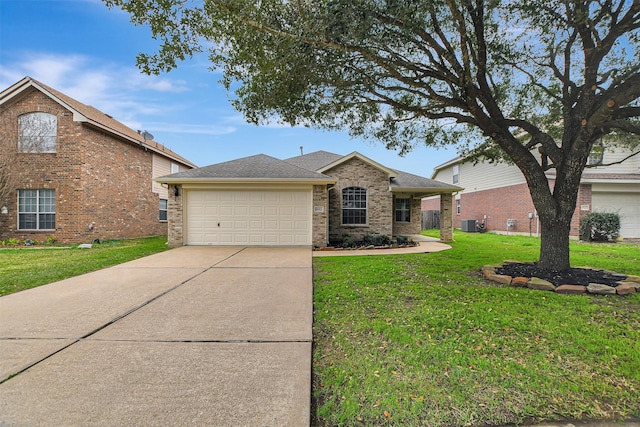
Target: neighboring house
<point x="75" y="174"/>
<point x="499" y="193"/>
<point x="306" y="200"/>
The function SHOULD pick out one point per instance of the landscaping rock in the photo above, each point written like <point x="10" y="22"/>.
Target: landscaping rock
<point x="499" y="278"/>
<point x="85" y="246"/>
<point x="488" y="270"/>
<point x="541" y="285"/>
<point x="634" y="284"/>
<point x="600" y="289"/>
<point x="520" y="282"/>
<point x="571" y="289"/>
<point x="625" y="289"/>
<point x="634" y="279"/>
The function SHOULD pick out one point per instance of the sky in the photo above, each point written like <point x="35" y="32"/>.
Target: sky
<point x="88" y="51"/>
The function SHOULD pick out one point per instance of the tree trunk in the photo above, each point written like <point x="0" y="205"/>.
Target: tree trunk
<point x="554" y="242"/>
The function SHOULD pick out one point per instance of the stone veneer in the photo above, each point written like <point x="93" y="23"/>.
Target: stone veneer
<point x="320" y="226"/>
<point x="175" y="237"/>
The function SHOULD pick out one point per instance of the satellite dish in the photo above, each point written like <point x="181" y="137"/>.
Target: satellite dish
<point x="147" y="136"/>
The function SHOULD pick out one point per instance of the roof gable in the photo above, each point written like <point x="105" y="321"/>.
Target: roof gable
<point x="90" y="115"/>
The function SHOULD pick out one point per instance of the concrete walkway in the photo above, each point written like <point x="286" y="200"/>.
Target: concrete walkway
<point x="192" y="336"/>
<point x="425" y="244"/>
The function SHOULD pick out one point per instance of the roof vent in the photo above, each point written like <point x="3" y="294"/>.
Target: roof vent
<point x="147" y="136"/>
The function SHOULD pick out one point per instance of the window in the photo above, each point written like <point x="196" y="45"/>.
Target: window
<point x="36" y="209"/>
<point x="175" y="168"/>
<point x="354" y="206"/>
<point x="163" y="209"/>
<point x="403" y="210"/>
<point x="456" y="174"/>
<point x="458" y="206"/>
<point x="37" y="133"/>
<point x="596" y="155"/>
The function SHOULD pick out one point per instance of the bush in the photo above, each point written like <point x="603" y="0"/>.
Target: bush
<point x="402" y="240"/>
<point x="377" y="239"/>
<point x="348" y="241"/>
<point x="600" y="227"/>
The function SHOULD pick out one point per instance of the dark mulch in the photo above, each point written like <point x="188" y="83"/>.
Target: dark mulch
<point x="573" y="276"/>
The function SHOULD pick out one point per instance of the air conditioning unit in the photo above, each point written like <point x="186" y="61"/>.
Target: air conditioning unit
<point x="469" y="225"/>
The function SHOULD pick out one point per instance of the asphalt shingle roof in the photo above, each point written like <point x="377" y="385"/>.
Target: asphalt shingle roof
<point x="314" y="161"/>
<point x="259" y="166"/>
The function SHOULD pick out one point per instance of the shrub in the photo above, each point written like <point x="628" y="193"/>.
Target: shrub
<point x="402" y="240"/>
<point x="600" y="227"/>
<point x="377" y="239"/>
<point x="348" y="241"/>
<point x="51" y="240"/>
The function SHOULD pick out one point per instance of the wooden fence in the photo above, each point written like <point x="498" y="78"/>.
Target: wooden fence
<point x="430" y="219"/>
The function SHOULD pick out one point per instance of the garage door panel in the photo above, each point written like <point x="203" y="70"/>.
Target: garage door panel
<point x="248" y="217"/>
<point x="627" y="205"/>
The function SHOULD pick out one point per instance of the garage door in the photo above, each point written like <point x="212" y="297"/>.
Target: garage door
<point x="626" y="204"/>
<point x="248" y="217"/>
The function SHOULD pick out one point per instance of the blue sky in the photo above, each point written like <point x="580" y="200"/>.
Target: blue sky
<point x="88" y="52"/>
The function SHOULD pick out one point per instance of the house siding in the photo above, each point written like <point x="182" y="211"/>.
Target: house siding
<point x="357" y="173"/>
<point x="103" y="184"/>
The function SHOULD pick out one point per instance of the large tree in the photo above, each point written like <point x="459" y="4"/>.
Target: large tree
<point x="538" y="82"/>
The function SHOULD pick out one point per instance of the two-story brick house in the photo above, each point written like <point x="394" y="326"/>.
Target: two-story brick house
<point x="75" y="174"/>
<point x="497" y="193"/>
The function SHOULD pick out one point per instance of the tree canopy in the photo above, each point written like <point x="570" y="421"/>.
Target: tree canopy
<point x="541" y="79"/>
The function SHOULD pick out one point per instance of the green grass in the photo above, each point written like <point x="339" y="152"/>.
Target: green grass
<point x="424" y="340"/>
<point x="24" y="268"/>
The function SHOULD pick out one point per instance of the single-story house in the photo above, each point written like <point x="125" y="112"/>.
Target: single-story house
<point x="311" y="199"/>
<point x="497" y="193"/>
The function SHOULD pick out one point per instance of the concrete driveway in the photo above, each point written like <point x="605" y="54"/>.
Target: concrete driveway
<point x="215" y="336"/>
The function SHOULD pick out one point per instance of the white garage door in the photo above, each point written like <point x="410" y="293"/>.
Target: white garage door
<point x="626" y="204"/>
<point x="248" y="217"/>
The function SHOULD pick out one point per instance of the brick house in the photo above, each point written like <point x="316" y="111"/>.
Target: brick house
<point x="499" y="193"/>
<point x="75" y="174"/>
<point x="311" y="199"/>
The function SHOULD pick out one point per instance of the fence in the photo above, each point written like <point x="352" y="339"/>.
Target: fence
<point x="430" y="219"/>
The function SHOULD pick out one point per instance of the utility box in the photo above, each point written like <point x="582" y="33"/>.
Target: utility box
<point x="469" y="225"/>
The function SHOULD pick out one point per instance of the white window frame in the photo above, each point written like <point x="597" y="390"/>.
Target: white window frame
<point x="37" y="132"/>
<point x="456" y="174"/>
<point x="402" y="205"/>
<point x="458" y="207"/>
<point x="355" y="204"/>
<point x="175" y="168"/>
<point x="165" y="210"/>
<point x="39" y="208"/>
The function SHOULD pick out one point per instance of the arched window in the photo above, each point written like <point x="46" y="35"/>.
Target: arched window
<point x="354" y="206"/>
<point x="37" y="133"/>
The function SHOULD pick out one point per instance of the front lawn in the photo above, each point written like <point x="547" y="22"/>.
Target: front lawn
<point x="27" y="267"/>
<point x="424" y="340"/>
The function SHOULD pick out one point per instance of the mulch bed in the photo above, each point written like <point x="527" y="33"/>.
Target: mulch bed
<point x="578" y="276"/>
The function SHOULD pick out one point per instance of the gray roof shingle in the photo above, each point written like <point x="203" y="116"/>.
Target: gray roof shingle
<point x="259" y="166"/>
<point x="314" y="161"/>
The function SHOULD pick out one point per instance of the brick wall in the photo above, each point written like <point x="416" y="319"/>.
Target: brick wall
<point x="175" y="234"/>
<point x="102" y="184"/>
<point x="356" y="173"/>
<point x="510" y="202"/>
<point x="413" y="227"/>
<point x="320" y="216"/>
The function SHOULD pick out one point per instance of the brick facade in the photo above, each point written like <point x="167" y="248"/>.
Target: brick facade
<point x="175" y="234"/>
<point x="320" y="226"/>
<point x="412" y="227"/>
<point x="356" y="173"/>
<point x="507" y="203"/>
<point x="102" y="184"/>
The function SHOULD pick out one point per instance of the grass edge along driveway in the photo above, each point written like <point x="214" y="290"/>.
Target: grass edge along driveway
<point x="28" y="267"/>
<point x="424" y="340"/>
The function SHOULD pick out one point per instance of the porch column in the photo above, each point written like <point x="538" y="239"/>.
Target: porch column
<point x="446" y="217"/>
